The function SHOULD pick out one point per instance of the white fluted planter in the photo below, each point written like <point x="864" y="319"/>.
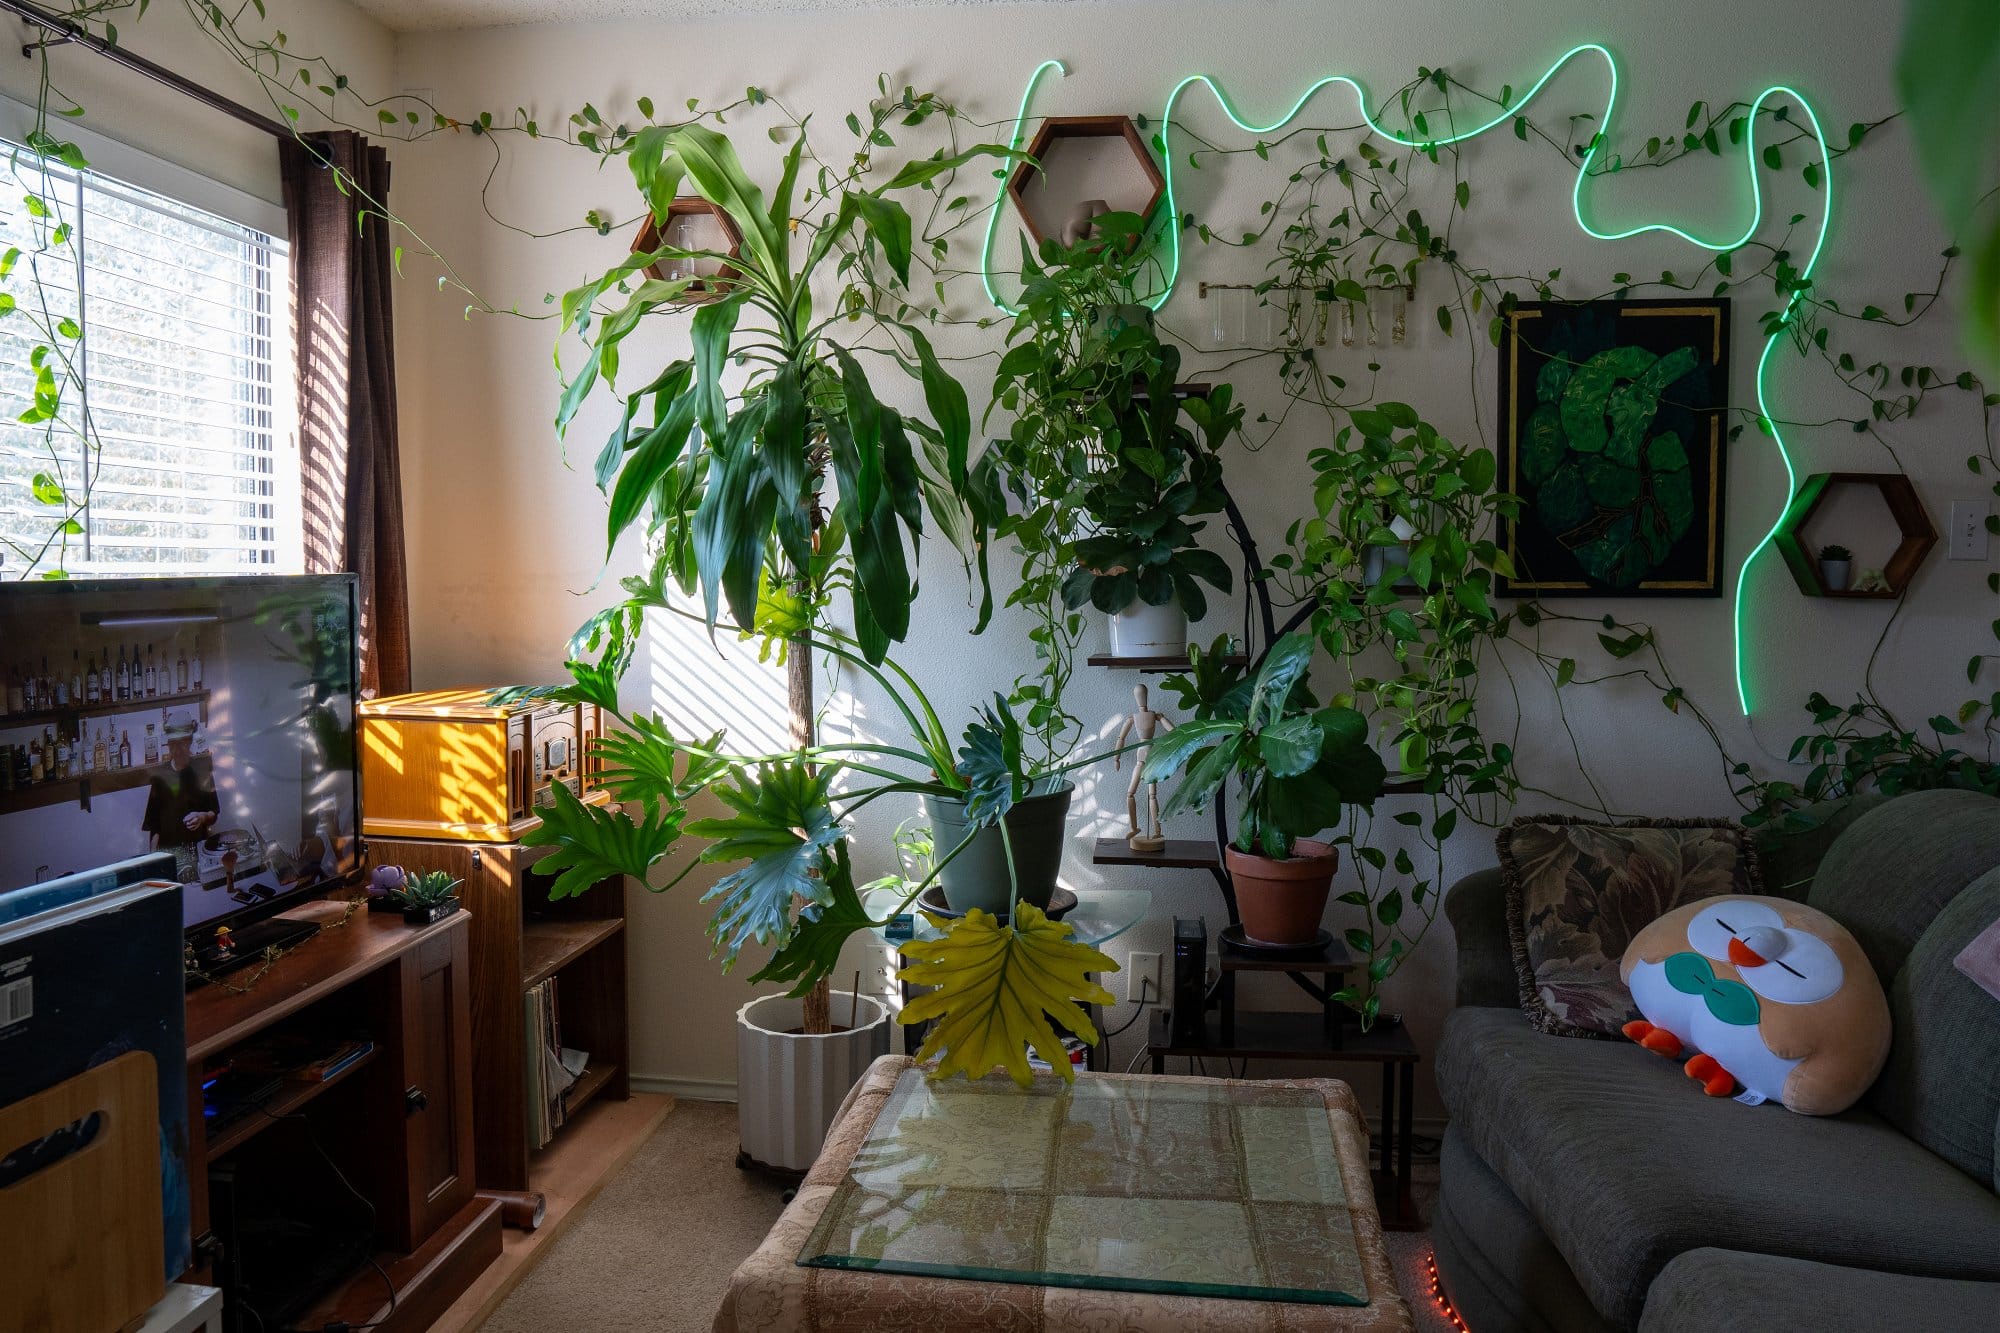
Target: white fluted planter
<point x="788" y="1084"/>
<point x="1149" y="631"/>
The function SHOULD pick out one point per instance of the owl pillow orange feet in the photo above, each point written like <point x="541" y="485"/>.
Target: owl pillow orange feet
<point x="1764" y="993"/>
<point x="1653" y="1039"/>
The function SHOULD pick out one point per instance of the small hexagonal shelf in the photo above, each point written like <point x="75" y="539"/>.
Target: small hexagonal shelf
<point x="711" y="228"/>
<point x="1077" y="158"/>
<point x="1918" y="535"/>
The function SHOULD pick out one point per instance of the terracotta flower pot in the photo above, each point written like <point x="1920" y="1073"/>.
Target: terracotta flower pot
<point x="1281" y="902"/>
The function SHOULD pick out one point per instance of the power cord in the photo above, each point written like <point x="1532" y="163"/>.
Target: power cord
<point x="1137" y="1014"/>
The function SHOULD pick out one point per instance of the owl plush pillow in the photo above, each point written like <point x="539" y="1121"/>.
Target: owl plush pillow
<point x="1763" y="995"/>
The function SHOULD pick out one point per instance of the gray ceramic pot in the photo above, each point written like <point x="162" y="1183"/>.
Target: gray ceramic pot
<point x="977" y="877"/>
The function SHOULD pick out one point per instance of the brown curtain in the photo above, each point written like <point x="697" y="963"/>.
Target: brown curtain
<point x="345" y="342"/>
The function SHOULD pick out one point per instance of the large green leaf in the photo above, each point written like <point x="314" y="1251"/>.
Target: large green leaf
<point x="596" y="843"/>
<point x="996" y="991"/>
<point x="1946" y="74"/>
<point x="710" y="329"/>
<point x="718" y="175"/>
<point x="644" y="763"/>
<point x="1284" y="666"/>
<point x="1290" y="745"/>
<point x="1167" y="754"/>
<point x="813" y="951"/>
<point x="782" y="825"/>
<point x="733" y="523"/>
<point x="889" y="222"/>
<point x="993" y="764"/>
<point x="658" y="452"/>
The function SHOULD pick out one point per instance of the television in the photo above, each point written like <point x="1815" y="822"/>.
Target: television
<point x="209" y="719"/>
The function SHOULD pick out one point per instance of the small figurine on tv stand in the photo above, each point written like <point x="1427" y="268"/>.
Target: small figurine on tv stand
<point x="1146" y="724"/>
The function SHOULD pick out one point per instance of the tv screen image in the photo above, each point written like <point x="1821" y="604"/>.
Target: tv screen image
<point x="208" y="718"/>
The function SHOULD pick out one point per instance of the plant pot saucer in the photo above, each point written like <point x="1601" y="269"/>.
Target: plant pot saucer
<point x="1234" y="937"/>
<point x="1061" y="903"/>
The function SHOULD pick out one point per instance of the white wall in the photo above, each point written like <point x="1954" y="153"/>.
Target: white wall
<point x="505" y="538"/>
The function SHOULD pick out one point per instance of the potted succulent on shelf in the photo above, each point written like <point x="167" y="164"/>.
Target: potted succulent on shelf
<point x="429" y="895"/>
<point x="1835" y="561"/>
<point x="1296" y="765"/>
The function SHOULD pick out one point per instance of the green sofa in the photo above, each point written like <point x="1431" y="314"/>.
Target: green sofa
<point x="1588" y="1185"/>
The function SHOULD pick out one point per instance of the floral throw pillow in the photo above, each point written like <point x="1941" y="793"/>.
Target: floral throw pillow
<point x="1577" y="892"/>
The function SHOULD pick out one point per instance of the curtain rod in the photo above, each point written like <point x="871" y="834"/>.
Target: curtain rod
<point x="68" y="32"/>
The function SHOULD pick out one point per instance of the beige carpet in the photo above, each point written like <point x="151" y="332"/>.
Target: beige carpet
<point x="653" y="1252"/>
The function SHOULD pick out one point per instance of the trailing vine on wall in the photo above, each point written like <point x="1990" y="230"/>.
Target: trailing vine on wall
<point x="1386" y="200"/>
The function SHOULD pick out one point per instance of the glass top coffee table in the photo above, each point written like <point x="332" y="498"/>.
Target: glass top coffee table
<point x="1189" y="1187"/>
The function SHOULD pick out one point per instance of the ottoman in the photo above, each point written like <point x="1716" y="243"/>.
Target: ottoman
<point x="772" y="1292"/>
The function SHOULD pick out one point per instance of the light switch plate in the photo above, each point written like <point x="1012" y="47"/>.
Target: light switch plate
<point x="1967" y="540"/>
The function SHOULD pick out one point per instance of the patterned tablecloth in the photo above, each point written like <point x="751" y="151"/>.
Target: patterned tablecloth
<point x="1156" y="1186"/>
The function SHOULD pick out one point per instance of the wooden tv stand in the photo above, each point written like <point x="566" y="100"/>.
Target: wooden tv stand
<point x="398" y="1122"/>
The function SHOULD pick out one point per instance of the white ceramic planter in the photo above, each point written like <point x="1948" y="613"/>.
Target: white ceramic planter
<point x="1149" y="631"/>
<point x="1834" y="574"/>
<point x="788" y="1084"/>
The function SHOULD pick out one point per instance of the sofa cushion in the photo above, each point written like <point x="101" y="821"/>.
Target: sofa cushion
<point x="1624" y="1164"/>
<point x="1578" y="891"/>
<point x="1898" y="864"/>
<point x="1705" y="1290"/>
<point x="1942" y="1083"/>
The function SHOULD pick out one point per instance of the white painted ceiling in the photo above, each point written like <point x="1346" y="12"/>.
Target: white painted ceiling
<point x="431" y="15"/>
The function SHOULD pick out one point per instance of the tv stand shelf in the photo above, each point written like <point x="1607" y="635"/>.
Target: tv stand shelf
<point x="397" y="1122"/>
<point x="521" y="939"/>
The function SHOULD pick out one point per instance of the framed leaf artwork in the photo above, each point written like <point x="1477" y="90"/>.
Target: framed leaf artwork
<point x="1611" y="432"/>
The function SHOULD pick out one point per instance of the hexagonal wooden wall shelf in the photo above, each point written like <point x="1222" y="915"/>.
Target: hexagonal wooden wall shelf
<point x="1918" y="535"/>
<point x="1032" y="182"/>
<point x="709" y="287"/>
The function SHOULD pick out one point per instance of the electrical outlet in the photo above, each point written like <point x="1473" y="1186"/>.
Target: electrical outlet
<point x="1142" y="977"/>
<point x="1968" y="530"/>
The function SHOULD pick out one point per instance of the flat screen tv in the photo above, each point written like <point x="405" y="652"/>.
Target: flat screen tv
<point x="211" y="719"/>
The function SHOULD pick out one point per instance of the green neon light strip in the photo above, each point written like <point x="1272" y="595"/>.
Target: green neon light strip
<point x="1506" y="116"/>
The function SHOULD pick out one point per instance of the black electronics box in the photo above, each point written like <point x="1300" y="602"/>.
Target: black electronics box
<point x="288" y="1227"/>
<point x="1190" y="978"/>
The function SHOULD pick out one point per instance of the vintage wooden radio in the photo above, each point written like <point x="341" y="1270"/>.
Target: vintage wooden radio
<point x="455" y="764"/>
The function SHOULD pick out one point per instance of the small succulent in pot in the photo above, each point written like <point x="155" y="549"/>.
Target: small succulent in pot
<point x="427" y="896"/>
<point x="1834" y="562"/>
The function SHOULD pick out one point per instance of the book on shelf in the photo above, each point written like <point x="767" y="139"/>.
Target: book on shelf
<point x="552" y="1068"/>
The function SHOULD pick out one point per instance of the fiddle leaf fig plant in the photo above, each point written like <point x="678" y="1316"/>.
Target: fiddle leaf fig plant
<point x="1296" y="763"/>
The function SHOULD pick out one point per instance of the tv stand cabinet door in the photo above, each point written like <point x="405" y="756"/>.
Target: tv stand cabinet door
<point x="437" y="1080"/>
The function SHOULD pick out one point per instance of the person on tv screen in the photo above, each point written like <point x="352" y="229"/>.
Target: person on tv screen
<point x="180" y="803"/>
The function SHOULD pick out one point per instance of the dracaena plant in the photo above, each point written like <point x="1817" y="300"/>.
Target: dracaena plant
<point x="728" y="471"/>
<point x="1000" y="986"/>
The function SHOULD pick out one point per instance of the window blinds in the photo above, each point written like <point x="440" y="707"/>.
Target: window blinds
<point x="178" y="410"/>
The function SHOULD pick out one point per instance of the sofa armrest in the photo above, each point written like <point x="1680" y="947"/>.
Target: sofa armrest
<point x="1477" y="907"/>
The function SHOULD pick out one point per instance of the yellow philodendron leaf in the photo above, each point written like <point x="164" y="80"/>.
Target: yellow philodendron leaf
<point x="997" y="987"/>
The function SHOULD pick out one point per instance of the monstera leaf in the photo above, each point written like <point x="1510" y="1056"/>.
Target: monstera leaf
<point x="813" y="951"/>
<point x="997" y="988"/>
<point x="598" y="842"/>
<point x="783" y="826"/>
